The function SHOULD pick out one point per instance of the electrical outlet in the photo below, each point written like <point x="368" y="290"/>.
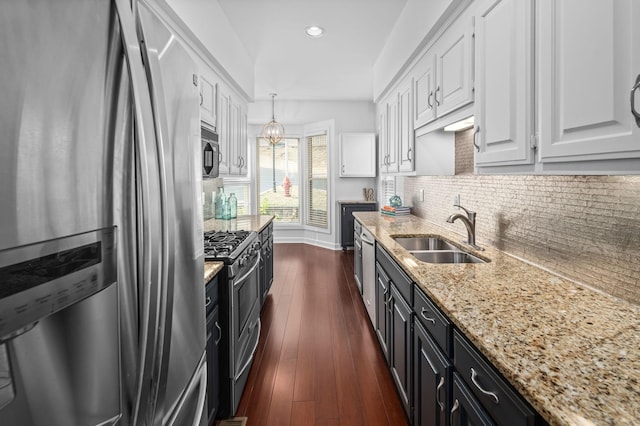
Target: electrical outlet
<point x="456" y="200"/>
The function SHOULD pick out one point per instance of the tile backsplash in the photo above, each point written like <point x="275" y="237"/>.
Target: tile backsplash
<point x="585" y="228"/>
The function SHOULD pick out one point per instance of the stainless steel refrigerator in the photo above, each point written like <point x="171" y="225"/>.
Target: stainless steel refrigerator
<point x="101" y="255"/>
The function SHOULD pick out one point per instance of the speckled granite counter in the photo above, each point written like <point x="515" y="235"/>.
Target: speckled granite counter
<point x="211" y="269"/>
<point x="572" y="352"/>
<point x="242" y="223"/>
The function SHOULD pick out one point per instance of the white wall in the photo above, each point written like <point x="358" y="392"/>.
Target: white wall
<point x="206" y="20"/>
<point x="416" y="24"/>
<point x="348" y="116"/>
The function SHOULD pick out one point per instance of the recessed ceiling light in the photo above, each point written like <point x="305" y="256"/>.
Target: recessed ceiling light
<point x="314" y="31"/>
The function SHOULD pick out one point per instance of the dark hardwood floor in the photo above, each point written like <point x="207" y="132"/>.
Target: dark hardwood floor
<point x="318" y="361"/>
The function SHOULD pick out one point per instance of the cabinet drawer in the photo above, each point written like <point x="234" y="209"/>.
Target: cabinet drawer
<point x="503" y="403"/>
<point x="211" y="297"/>
<point x="433" y="321"/>
<point x="397" y="275"/>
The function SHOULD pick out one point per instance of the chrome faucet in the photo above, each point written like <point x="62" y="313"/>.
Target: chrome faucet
<point x="469" y="222"/>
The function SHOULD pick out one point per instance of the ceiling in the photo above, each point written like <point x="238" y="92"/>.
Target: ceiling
<point x="337" y="66"/>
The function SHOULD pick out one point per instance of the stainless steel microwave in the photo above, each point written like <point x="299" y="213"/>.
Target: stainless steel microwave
<point x="210" y="152"/>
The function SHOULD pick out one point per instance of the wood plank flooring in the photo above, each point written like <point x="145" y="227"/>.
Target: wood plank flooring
<point x="318" y="361"/>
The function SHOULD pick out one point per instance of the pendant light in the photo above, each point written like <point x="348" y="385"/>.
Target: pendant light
<point x="273" y="131"/>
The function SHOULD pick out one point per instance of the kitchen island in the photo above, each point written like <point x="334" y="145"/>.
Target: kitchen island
<point x="573" y="353"/>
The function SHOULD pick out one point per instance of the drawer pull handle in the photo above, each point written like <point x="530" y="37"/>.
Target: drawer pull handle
<point x="454" y="408"/>
<point x="474" y="379"/>
<point x="219" y="333"/>
<point x="207" y="302"/>
<point x="438" y="389"/>
<point x="422" y="314"/>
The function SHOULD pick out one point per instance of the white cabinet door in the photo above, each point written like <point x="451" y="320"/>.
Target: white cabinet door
<point x="357" y="155"/>
<point x="504" y="82"/>
<point x="588" y="62"/>
<point x="208" y="102"/>
<point x="406" y="152"/>
<point x="423" y="88"/>
<point x="244" y="142"/>
<point x="224" y="133"/>
<point x="383" y="138"/>
<point x="392" y="134"/>
<point x="454" y="68"/>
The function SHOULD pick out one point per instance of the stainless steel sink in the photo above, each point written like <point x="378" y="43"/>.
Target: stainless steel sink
<point x="446" y="256"/>
<point x="425" y="243"/>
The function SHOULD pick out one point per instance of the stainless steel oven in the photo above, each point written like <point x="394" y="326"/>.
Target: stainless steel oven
<point x="239" y="303"/>
<point x="245" y="323"/>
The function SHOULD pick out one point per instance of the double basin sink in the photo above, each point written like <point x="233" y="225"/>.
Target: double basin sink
<point x="434" y="249"/>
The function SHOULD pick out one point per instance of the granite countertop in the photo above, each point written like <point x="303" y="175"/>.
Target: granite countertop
<point x="211" y="269"/>
<point x="572" y="352"/>
<point x="241" y="223"/>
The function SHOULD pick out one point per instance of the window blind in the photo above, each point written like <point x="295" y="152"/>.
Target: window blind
<point x="317" y="178"/>
<point x="387" y="189"/>
<point x="241" y="187"/>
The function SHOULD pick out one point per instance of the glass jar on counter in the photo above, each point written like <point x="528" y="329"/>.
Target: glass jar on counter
<point x="233" y="205"/>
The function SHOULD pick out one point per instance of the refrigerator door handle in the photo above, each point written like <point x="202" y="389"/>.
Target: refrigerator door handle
<point x="167" y="198"/>
<point x="147" y="165"/>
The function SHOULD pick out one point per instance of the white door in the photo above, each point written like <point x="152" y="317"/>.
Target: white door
<point x="405" y="131"/>
<point x="454" y="68"/>
<point x="589" y="60"/>
<point x="504" y="82"/>
<point x="424" y="87"/>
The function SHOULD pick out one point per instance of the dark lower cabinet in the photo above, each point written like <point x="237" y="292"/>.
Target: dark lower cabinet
<point x="432" y="373"/>
<point x="441" y="378"/>
<point x="465" y="409"/>
<point x="346" y="220"/>
<point x="383" y="289"/>
<point x="393" y="323"/>
<point x="266" y="262"/>
<point x="400" y="347"/>
<point x="214" y="337"/>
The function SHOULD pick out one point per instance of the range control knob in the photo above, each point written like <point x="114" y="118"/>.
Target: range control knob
<point x="243" y="260"/>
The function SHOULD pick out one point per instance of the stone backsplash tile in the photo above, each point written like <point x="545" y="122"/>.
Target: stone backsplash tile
<point x="586" y="228"/>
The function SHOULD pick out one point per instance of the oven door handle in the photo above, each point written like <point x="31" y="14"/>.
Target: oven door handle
<point x="253" y="352"/>
<point x="255" y="265"/>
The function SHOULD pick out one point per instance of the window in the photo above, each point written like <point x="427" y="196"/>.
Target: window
<point x="278" y="171"/>
<point x="387" y="189"/>
<point x="317" y="178"/>
<point x="241" y="188"/>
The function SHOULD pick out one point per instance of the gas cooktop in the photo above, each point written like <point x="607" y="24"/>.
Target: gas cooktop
<point x="227" y="246"/>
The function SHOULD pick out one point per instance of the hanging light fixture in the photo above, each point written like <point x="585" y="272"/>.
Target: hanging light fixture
<point x="273" y="131"/>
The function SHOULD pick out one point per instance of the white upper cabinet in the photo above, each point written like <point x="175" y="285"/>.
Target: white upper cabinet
<point x="357" y="155"/>
<point x="388" y="142"/>
<point x="224" y="132"/>
<point x="454" y="72"/>
<point x="208" y="101"/>
<point x="423" y="88"/>
<point x="589" y="59"/>
<point x="504" y="101"/>
<point x="443" y="77"/>
<point x="406" y="151"/>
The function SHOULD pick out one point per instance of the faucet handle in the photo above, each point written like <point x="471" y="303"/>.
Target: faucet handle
<point x="470" y="214"/>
